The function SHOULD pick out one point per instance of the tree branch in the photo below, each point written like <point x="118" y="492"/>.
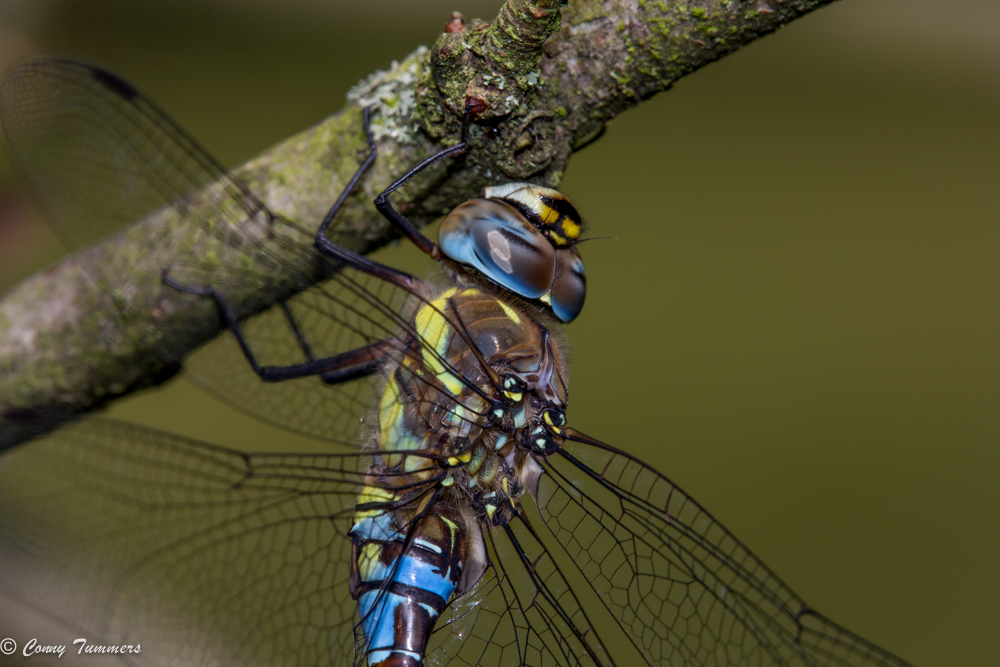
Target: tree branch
<point x="547" y="76"/>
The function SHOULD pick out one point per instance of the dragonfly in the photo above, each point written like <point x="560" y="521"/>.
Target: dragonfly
<point x="458" y="519"/>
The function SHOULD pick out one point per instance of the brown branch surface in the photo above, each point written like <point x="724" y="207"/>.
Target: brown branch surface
<point x="548" y="77"/>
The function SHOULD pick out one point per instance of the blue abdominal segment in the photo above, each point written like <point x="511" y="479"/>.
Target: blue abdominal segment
<point x="401" y="590"/>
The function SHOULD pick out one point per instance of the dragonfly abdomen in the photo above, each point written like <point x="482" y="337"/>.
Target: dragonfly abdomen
<point x="403" y="584"/>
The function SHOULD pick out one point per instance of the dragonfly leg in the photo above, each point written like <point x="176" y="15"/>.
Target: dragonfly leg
<point x="334" y="369"/>
<point x="357" y="363"/>
<point x="337" y="252"/>
<point x="351" y="184"/>
<point x="385" y="207"/>
<point x="401" y="279"/>
<point x="389" y="212"/>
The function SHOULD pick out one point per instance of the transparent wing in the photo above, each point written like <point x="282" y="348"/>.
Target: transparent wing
<point x="98" y="155"/>
<point x="523" y="612"/>
<point x="680" y="585"/>
<point x="350" y="311"/>
<point x="202" y="555"/>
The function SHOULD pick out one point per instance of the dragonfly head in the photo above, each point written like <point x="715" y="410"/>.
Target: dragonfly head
<point x="522" y="237"/>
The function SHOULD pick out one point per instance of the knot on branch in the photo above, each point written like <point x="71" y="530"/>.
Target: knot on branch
<point x="515" y="39"/>
<point x="495" y="63"/>
<point x="496" y="67"/>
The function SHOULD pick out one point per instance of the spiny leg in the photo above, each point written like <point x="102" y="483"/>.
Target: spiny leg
<point x="386" y="208"/>
<point x="350" y="365"/>
<point x="357" y="363"/>
<point x="337" y="252"/>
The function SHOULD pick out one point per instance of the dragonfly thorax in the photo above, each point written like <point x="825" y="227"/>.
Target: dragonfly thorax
<point x="477" y="381"/>
<point x="442" y="402"/>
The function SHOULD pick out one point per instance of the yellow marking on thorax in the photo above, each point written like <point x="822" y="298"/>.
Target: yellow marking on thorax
<point x="431" y="324"/>
<point x="435" y="330"/>
<point x="476" y="460"/>
<point x="506" y="490"/>
<point x="390" y="419"/>
<point x="372" y="494"/>
<point x="452" y="529"/>
<point x="368" y="560"/>
<point x="510" y="312"/>
<point x="461" y="458"/>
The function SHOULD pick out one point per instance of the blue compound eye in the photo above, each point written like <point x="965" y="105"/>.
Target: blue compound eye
<point x="495" y="238"/>
<point x="569" y="287"/>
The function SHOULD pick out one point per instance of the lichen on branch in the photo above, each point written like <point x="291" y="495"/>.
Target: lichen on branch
<point x="545" y="77"/>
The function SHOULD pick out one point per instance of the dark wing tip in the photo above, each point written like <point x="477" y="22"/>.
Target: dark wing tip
<point x="112" y="82"/>
<point x="21" y="75"/>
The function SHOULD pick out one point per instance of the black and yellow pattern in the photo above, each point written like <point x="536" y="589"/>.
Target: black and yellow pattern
<point x="549" y="210"/>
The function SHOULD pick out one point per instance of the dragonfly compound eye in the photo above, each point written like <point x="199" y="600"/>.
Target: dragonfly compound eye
<point x="521" y="236"/>
<point x="495" y="239"/>
<point x="569" y="287"/>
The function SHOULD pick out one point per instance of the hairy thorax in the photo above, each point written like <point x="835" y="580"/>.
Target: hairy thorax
<point x="441" y="413"/>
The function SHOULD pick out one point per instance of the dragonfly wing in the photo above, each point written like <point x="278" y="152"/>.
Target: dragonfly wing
<point x="682" y="588"/>
<point x="522" y="612"/>
<point x="200" y="555"/>
<point x="98" y="154"/>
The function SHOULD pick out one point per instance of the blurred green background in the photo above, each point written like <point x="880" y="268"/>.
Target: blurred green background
<point x="798" y="320"/>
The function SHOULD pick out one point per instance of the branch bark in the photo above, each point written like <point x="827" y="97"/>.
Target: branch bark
<point x="549" y="77"/>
